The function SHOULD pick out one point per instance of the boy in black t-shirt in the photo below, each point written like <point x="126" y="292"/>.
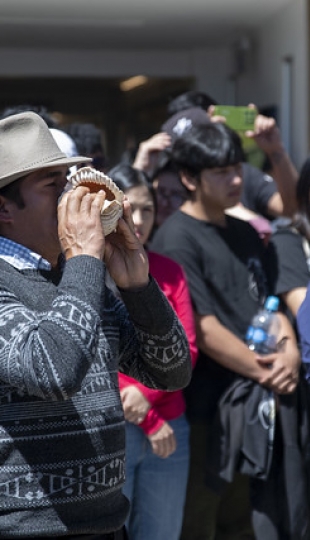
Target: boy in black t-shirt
<point x="230" y="273"/>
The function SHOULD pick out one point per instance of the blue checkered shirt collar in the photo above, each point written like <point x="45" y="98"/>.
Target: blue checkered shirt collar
<point x="21" y="257"/>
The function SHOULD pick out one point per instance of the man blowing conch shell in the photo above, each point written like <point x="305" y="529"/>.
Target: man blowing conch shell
<point x="64" y="337"/>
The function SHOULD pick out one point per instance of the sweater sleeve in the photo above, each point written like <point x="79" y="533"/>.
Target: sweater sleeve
<point x="158" y="354"/>
<point x="179" y="298"/>
<point x="47" y="353"/>
<point x="181" y="302"/>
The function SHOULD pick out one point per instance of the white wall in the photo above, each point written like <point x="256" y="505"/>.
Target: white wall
<point x="92" y="63"/>
<point x="114" y="63"/>
<point x="283" y="35"/>
<point x="211" y="69"/>
<point x="209" y="66"/>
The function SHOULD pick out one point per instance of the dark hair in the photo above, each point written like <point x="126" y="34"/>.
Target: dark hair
<point x="302" y="216"/>
<point x="192" y="98"/>
<point x="164" y="164"/>
<point x="207" y="147"/>
<point x="127" y="177"/>
<point x="38" y="109"/>
<point x="12" y="192"/>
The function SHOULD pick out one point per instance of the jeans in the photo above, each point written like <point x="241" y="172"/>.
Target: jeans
<point x="156" y="487"/>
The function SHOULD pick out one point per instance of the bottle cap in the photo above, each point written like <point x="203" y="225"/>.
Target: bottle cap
<point x="272" y="303"/>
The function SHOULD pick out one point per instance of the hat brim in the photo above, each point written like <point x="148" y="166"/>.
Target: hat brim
<point x="70" y="162"/>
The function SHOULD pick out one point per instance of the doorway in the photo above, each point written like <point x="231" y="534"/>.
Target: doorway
<point x="125" y="118"/>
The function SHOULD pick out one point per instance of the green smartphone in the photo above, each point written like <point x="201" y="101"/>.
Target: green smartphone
<point x="237" y="118"/>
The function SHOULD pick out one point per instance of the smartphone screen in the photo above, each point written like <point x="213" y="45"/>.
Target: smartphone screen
<point x="237" y="118"/>
<point x="241" y="120"/>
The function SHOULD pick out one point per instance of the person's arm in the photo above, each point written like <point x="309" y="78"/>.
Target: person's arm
<point x="294" y="298"/>
<point x="154" y="349"/>
<point x="173" y="283"/>
<point x="268" y="137"/>
<point x="175" y="288"/>
<point x="260" y="224"/>
<point x="139" y="401"/>
<point x="302" y="319"/>
<point x="148" y="152"/>
<point x="278" y="371"/>
<point x="293" y="273"/>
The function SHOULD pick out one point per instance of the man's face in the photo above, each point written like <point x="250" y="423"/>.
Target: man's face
<point x="220" y="187"/>
<point x="35" y="225"/>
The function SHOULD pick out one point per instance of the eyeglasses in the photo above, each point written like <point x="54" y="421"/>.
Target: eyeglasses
<point x="174" y="197"/>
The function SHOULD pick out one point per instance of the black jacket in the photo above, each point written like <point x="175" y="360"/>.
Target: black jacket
<point x="275" y="454"/>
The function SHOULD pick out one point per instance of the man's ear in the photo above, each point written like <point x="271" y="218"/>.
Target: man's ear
<point x="188" y="181"/>
<point x="5" y="210"/>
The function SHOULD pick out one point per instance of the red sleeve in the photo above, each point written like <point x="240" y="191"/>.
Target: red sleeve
<point x="152" y="422"/>
<point x="151" y="395"/>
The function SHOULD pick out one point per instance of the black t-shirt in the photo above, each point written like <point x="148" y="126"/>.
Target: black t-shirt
<point x="229" y="273"/>
<point x="292" y="260"/>
<point x="258" y="188"/>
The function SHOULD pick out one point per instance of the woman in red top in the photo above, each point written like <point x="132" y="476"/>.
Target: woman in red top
<point x="157" y="432"/>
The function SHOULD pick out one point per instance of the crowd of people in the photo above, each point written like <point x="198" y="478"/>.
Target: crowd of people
<point x="132" y="407"/>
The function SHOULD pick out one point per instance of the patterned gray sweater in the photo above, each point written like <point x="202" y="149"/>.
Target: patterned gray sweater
<point x="62" y="341"/>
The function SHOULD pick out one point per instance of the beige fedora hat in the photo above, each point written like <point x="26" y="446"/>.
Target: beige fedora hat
<point x="27" y="145"/>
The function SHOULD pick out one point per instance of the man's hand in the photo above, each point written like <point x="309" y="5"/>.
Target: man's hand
<point x="124" y="254"/>
<point x="135" y="404"/>
<point x="215" y="117"/>
<point x="268" y="137"/>
<point x="163" y="442"/>
<point x="148" y="151"/>
<point x="278" y="371"/>
<point x="266" y="134"/>
<point x="281" y="370"/>
<point x="79" y="225"/>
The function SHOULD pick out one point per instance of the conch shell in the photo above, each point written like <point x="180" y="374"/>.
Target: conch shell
<point x="95" y="180"/>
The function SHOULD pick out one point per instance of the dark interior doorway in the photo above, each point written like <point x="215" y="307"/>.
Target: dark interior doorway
<point x="125" y="118"/>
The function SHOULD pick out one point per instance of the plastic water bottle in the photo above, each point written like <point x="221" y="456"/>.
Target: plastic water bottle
<point x="262" y="337"/>
<point x="262" y="334"/>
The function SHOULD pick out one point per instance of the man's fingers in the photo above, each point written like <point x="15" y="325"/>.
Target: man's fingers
<point x="252" y="106"/>
<point x="267" y="360"/>
<point x="97" y="202"/>
<point x="127" y="214"/>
